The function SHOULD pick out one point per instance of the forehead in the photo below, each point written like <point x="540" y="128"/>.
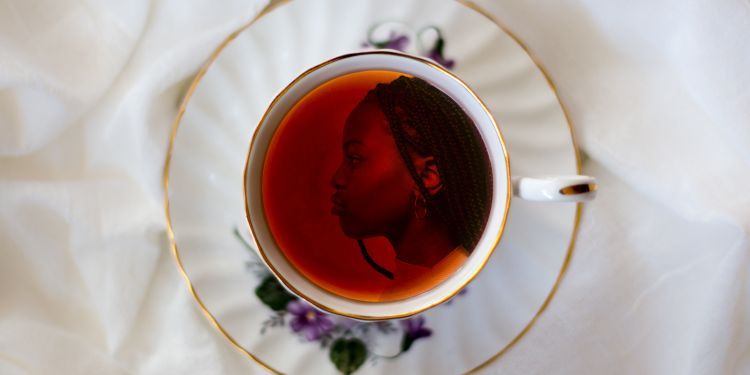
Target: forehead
<point x="366" y="120"/>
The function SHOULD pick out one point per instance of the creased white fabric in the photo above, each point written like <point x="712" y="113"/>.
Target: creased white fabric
<point x="88" y="94"/>
<point x="658" y="93"/>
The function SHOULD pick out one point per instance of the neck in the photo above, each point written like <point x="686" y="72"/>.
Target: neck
<point x="423" y="242"/>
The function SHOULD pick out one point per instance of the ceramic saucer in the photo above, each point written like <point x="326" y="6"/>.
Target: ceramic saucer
<point x="205" y="208"/>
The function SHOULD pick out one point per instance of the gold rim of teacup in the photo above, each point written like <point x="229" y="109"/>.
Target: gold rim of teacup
<point x="279" y="275"/>
<point x="274" y="4"/>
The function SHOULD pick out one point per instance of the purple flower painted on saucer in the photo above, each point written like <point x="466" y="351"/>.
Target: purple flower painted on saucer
<point x="438" y="57"/>
<point x="436" y="52"/>
<point x="400" y="41"/>
<point x="395" y="41"/>
<point x="308" y="321"/>
<point x="415" y="329"/>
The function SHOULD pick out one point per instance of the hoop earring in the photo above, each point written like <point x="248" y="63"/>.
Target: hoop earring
<point x="417" y="213"/>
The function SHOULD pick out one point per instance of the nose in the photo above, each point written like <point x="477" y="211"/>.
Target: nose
<point x="338" y="180"/>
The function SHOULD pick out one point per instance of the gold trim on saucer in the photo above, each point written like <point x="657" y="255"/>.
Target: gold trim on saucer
<point x="568" y="256"/>
<point x="176" y="123"/>
<point x="170" y="232"/>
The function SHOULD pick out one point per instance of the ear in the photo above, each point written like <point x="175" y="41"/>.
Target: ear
<point x="428" y="171"/>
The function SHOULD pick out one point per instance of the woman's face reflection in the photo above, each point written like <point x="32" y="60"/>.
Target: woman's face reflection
<point x="374" y="190"/>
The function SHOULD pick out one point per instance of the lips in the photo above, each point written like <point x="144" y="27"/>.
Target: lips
<point x="339" y="206"/>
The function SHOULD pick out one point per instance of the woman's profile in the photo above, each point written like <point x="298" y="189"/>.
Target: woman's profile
<point x="415" y="171"/>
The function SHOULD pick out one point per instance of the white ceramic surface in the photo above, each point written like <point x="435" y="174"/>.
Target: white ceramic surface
<point x="205" y="180"/>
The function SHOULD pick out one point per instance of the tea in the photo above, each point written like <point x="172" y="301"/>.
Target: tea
<point x="376" y="186"/>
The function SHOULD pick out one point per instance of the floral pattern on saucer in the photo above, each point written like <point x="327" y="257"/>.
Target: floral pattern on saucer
<point x="399" y="39"/>
<point x="204" y="202"/>
<point x="348" y="341"/>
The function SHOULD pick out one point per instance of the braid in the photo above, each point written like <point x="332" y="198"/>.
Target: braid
<point x="425" y="120"/>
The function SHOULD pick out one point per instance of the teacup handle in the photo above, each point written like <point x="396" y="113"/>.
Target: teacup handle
<point x="555" y="189"/>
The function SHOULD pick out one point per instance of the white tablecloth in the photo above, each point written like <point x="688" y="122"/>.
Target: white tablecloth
<point x="658" y="92"/>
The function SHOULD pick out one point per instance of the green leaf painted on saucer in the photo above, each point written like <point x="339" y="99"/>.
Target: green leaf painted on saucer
<point x="272" y="294"/>
<point x="348" y="354"/>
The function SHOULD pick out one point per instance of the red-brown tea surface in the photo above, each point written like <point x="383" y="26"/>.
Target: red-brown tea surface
<point x="304" y="153"/>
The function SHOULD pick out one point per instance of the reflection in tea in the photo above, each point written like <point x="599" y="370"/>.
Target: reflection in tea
<point x="411" y="186"/>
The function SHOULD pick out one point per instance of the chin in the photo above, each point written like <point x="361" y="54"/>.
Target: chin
<point x="352" y="230"/>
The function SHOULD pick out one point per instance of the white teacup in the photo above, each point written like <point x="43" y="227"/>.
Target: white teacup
<point x="548" y="189"/>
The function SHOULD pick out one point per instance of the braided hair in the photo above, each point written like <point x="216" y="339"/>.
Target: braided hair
<point x="428" y="122"/>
